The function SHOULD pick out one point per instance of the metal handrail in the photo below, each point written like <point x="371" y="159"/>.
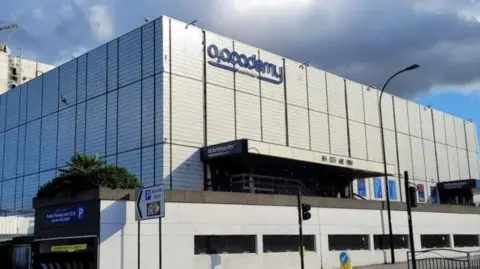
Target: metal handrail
<point x="276" y="181"/>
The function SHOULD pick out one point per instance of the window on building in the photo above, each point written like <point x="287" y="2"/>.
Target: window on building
<point x="348" y="242"/>
<point x="466" y="240"/>
<point x="287" y="243"/>
<point x="435" y="240"/>
<point x="381" y="241"/>
<point x="218" y="244"/>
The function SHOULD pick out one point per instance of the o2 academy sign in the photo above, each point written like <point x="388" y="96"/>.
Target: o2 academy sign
<point x="241" y="63"/>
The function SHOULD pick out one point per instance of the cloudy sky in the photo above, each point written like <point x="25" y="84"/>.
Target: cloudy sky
<point x="365" y="40"/>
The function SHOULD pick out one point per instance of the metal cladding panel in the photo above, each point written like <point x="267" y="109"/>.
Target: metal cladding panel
<point x="391" y="147"/>
<point x="162" y="43"/>
<point x="338" y="136"/>
<point x="374" y="144"/>
<point x="336" y="96"/>
<point x="317" y="90"/>
<point x="418" y="158"/>
<point x="443" y="166"/>
<point x="296" y="83"/>
<point x="474" y="164"/>
<point x="187" y="111"/>
<point x="427" y="123"/>
<point x="453" y="163"/>
<point x="298" y="129"/>
<point x="404" y="154"/>
<point x="220" y="114"/>
<point x="358" y="140"/>
<point x="387" y="112"/>
<point x="319" y="132"/>
<point x="248" y="116"/>
<point x="370" y="100"/>
<point x="401" y="115"/>
<point x="430" y="160"/>
<point x="355" y="101"/>
<point x="451" y="134"/>
<point x="273" y="122"/>
<point x="187" y="168"/>
<point x="224" y="47"/>
<point x="463" y="164"/>
<point x="414" y="122"/>
<point x="439" y="126"/>
<point x="268" y="89"/>
<point x="246" y="83"/>
<point x="460" y="133"/>
<point x="472" y="142"/>
<point x="162" y="107"/>
<point x="187" y="50"/>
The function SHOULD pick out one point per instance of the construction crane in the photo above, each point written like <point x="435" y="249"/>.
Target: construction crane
<point x="13" y="27"/>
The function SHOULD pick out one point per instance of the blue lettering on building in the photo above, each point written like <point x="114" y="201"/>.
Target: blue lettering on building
<point x="233" y="61"/>
<point x="65" y="215"/>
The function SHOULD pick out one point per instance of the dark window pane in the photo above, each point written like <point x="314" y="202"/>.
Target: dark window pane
<point x="466" y="240"/>
<point x="287" y="243"/>
<point x="381" y="241"/>
<point x="348" y="242"/>
<point x="218" y="244"/>
<point x="435" y="240"/>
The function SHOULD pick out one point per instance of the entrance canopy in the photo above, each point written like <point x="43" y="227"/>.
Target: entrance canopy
<point x="248" y="150"/>
<point x="465" y="184"/>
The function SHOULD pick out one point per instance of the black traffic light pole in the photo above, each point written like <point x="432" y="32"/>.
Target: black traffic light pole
<point x="411" y="200"/>
<point x="303" y="214"/>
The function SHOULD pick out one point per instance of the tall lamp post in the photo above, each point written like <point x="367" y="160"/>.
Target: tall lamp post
<point x="390" y="233"/>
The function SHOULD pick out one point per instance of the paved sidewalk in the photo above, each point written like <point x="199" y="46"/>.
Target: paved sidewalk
<point x="402" y="265"/>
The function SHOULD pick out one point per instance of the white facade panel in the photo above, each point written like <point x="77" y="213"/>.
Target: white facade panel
<point x="427" y="123"/>
<point x="443" y="165"/>
<point x="248" y="116"/>
<point x="187" y="168"/>
<point x="338" y="136"/>
<point x="460" y="133"/>
<point x="370" y="99"/>
<point x="271" y="90"/>
<point x="391" y="147"/>
<point x="439" y="126"/>
<point x="414" y="122"/>
<point x="298" y="129"/>
<point x="296" y="83"/>
<point x="220" y="112"/>
<point x="216" y="75"/>
<point x="404" y="154"/>
<point x="358" y="140"/>
<point x="374" y="144"/>
<point x="474" y="165"/>
<point x="355" y="101"/>
<point x="401" y="115"/>
<point x="336" y="96"/>
<point x="472" y="141"/>
<point x="463" y="164"/>
<point x="246" y="83"/>
<point x="387" y="112"/>
<point x="317" y="90"/>
<point x="451" y="133"/>
<point x="273" y="122"/>
<point x="187" y="50"/>
<point x="430" y="160"/>
<point x="319" y="132"/>
<point x="453" y="163"/>
<point x="418" y="158"/>
<point x="187" y="113"/>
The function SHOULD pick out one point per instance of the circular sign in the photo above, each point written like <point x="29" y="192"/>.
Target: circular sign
<point x="344" y="259"/>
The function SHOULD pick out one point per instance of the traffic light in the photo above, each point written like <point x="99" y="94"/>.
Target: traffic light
<point x="306" y="212"/>
<point x="412" y="196"/>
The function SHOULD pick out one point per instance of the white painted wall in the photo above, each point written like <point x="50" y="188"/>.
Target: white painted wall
<point x="118" y="248"/>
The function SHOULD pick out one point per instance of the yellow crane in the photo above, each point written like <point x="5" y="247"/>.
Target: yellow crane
<point x="13" y="27"/>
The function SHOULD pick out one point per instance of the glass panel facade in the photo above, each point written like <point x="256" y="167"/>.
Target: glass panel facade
<point x="102" y="102"/>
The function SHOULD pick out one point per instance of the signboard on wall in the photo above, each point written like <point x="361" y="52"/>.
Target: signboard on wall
<point x="224" y="149"/>
<point x="433" y="194"/>
<point x="65" y="215"/>
<point x="392" y="189"/>
<point x="377" y="187"/>
<point x="244" y="64"/>
<point x="362" y="189"/>
<point x="421" y="193"/>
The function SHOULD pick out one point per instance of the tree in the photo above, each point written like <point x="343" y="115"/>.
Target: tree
<point x="84" y="172"/>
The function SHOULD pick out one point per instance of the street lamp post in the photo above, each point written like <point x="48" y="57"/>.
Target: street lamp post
<point x="390" y="232"/>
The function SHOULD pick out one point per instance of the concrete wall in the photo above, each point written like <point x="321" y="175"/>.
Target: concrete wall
<point x="183" y="220"/>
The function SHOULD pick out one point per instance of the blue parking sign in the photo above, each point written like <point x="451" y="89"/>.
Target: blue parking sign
<point x="148" y="195"/>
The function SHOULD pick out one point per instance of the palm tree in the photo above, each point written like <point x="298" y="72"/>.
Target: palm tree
<point x="82" y="164"/>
